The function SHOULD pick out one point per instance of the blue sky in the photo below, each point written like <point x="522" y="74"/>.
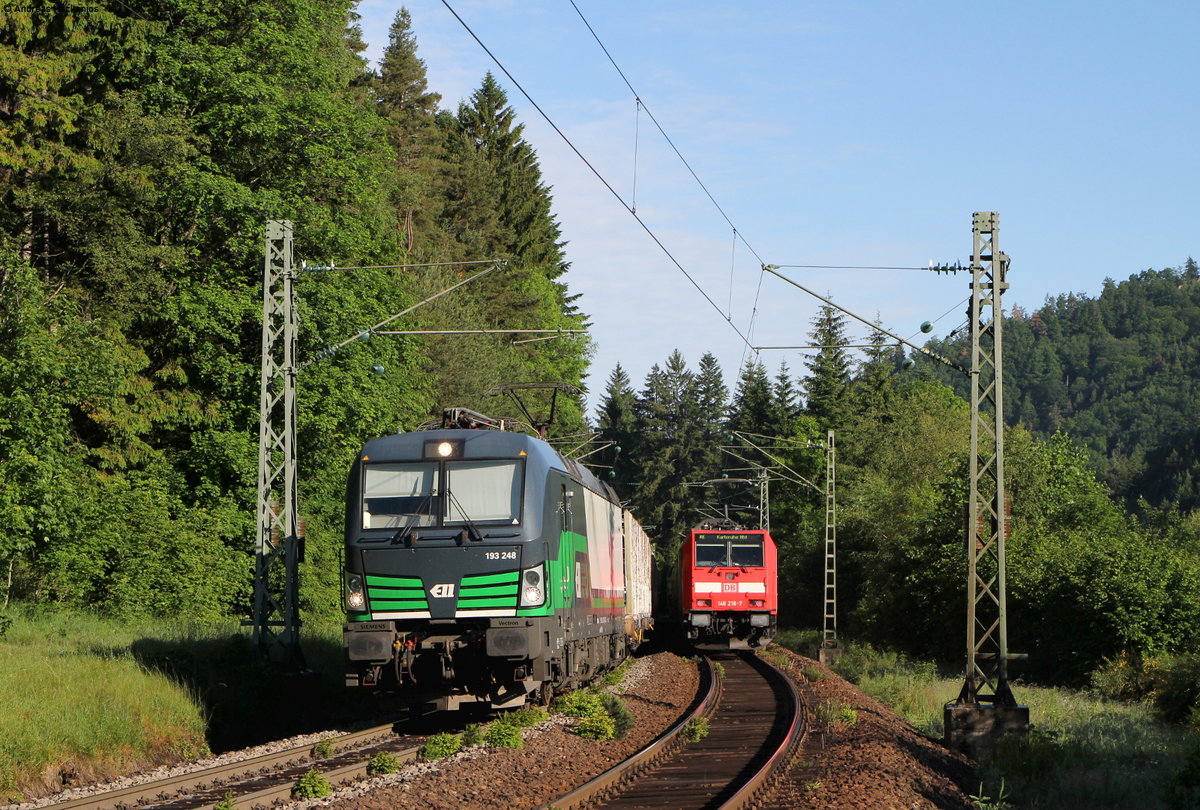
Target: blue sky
<point x="836" y="133"/>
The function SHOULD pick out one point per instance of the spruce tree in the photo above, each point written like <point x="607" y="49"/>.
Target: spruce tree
<point x="616" y="423"/>
<point x="827" y="384"/>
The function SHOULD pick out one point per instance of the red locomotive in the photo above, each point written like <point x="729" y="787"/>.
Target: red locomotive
<point x="729" y="587"/>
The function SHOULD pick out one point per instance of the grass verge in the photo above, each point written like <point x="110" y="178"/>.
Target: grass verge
<point x="1082" y="750"/>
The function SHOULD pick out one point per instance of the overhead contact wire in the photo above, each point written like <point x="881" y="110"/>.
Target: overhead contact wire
<point x="600" y="176"/>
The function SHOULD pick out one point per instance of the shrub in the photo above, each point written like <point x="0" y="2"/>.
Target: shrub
<point x="719" y="669"/>
<point x="312" y="786"/>
<point x="227" y="803"/>
<point x="580" y="703"/>
<point x="528" y="717"/>
<point x="805" y="642"/>
<point x="384" y="763"/>
<point x="695" y="729"/>
<point x="504" y="735"/>
<point x="440" y="746"/>
<point x="814" y="674"/>
<point x="599" y="726"/>
<point x="1180" y="692"/>
<point x="323" y="749"/>
<point x="622" y="718"/>
<point x="472" y="734"/>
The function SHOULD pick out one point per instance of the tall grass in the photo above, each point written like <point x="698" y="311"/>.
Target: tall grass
<point x="1082" y="750"/>
<point x="76" y="704"/>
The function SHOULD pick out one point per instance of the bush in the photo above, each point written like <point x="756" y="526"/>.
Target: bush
<point x="323" y="749"/>
<point x="226" y="803"/>
<point x="1130" y="677"/>
<point x="580" y="703"/>
<point x="440" y="746"/>
<point x="622" y="718"/>
<point x="504" y="735"/>
<point x="312" y="786"/>
<point x="472" y="734"/>
<point x="384" y="763"/>
<point x="1180" y="692"/>
<point x="805" y="642"/>
<point x="528" y="717"/>
<point x="814" y="674"/>
<point x="597" y="726"/>
<point x="695" y="730"/>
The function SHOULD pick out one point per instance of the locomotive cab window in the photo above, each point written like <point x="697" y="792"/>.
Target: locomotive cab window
<point x="710" y="553"/>
<point x="747" y="552"/>
<point x="431" y="493"/>
<point x="483" y="491"/>
<point x="398" y="494"/>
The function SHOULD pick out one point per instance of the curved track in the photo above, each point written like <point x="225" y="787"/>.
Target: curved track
<point x="755" y="719"/>
<point x="261" y="781"/>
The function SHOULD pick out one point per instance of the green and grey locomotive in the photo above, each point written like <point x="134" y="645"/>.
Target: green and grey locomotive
<point x="482" y="567"/>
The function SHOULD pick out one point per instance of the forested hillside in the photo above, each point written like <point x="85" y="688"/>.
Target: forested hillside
<point x="144" y="144"/>
<point x="1088" y="584"/>
<point x="1119" y="374"/>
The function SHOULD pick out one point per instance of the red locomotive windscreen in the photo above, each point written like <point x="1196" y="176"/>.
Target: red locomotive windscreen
<point x="729" y="571"/>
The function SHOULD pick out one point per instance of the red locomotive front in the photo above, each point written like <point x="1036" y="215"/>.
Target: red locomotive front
<point x="729" y="588"/>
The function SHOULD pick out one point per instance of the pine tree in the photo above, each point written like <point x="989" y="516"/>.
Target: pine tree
<point x="872" y="389"/>
<point x="827" y="384"/>
<point x="402" y="96"/>
<point x="616" y="423"/>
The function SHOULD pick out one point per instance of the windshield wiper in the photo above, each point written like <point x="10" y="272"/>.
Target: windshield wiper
<point x="470" y="532"/>
<point x="403" y="533"/>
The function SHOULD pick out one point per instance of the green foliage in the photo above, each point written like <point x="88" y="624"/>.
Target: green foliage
<point x="807" y="642"/>
<point x="603" y="715"/>
<point x="384" y="763"/>
<point x="228" y="802"/>
<point x="719" y="669"/>
<point x="1117" y="373"/>
<point x="440" y="746"/>
<point x="99" y="701"/>
<point x="622" y="717"/>
<point x="472" y="734"/>
<point x="999" y="802"/>
<point x="695" y="730"/>
<point x="527" y="717"/>
<point x="504" y="735"/>
<point x="313" y="785"/>
<point x="611" y="678"/>
<point x="813" y="674"/>
<point x="597" y="726"/>
<point x="138" y="177"/>
<point x="323" y="749"/>
<point x="1178" y="698"/>
<point x="579" y="703"/>
<point x="831" y="713"/>
<point x="1182" y="792"/>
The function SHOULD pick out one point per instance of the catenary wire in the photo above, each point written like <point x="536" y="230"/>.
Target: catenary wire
<point x="666" y="251"/>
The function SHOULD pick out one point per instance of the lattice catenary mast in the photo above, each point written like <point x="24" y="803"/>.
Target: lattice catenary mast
<point x="985" y="707"/>
<point x="276" y="619"/>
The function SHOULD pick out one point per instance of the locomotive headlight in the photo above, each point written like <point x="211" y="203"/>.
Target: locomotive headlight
<point x="355" y="598"/>
<point x="533" y="591"/>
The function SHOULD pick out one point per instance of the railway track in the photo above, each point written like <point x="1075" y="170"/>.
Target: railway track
<point x="756" y="718"/>
<point x="262" y="781"/>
